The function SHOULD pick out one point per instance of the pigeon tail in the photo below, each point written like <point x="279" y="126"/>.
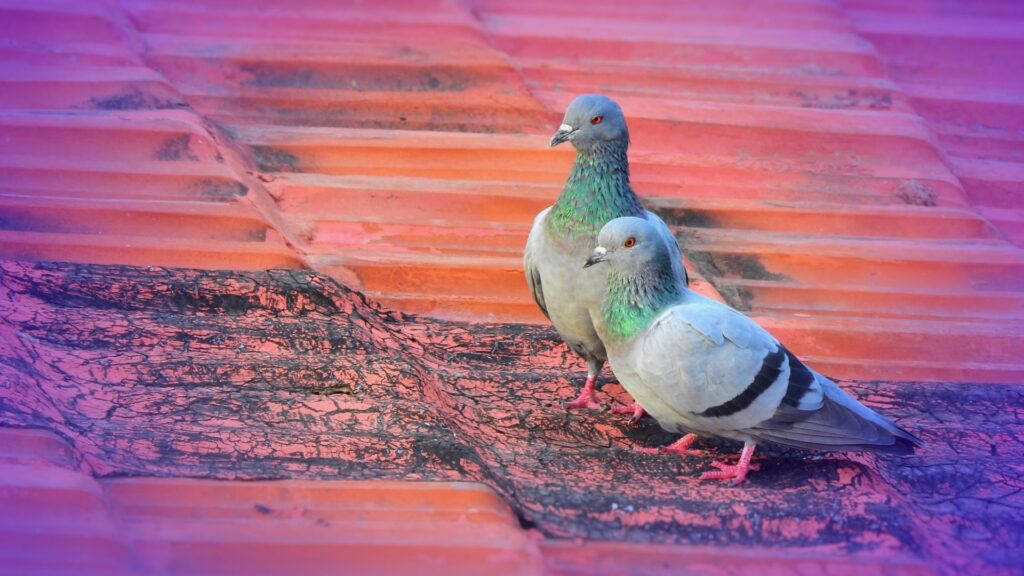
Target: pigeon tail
<point x="841" y="424"/>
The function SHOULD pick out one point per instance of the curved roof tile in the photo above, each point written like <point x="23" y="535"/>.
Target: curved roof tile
<point x="846" y="173"/>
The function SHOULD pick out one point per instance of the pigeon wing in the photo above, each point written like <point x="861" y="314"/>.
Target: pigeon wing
<point x="673" y="247"/>
<point x="838" y="421"/>
<point x="738" y="381"/>
<point x="716" y="369"/>
<point x="530" y="255"/>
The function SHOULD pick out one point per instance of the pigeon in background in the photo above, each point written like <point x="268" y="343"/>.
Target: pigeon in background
<point x="564" y="234"/>
<point x="696" y="365"/>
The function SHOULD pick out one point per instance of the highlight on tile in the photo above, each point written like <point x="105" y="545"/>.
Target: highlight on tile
<point x="263" y="306"/>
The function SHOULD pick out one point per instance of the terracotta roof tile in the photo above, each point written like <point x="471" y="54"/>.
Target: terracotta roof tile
<point x="848" y="173"/>
<point x="958" y="68"/>
<point x="287" y="374"/>
<point x="187" y="526"/>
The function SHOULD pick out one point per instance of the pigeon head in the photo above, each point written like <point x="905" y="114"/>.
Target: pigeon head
<point x="629" y="245"/>
<point x="592" y="119"/>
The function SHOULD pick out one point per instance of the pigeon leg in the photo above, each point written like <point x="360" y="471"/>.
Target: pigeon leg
<point x="635" y="409"/>
<point x="586" y="397"/>
<point x="681" y="447"/>
<point x="737" y="472"/>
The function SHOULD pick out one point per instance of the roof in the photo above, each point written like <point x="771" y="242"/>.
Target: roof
<point x="848" y="174"/>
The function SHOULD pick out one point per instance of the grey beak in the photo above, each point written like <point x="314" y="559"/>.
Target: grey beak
<point x="599" y="255"/>
<point x="564" y="133"/>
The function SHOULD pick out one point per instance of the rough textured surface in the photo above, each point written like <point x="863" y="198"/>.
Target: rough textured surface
<point x="825" y="160"/>
<point x="286" y="374"/>
<point x="847" y="172"/>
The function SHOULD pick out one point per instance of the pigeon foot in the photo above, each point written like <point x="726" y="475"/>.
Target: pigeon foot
<point x="680" y="447"/>
<point x="586" y="397"/>
<point x="635" y="409"/>
<point x="735" y="472"/>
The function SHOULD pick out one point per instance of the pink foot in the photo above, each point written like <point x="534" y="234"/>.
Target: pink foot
<point x="635" y="409"/>
<point x="586" y="397"/>
<point x="737" y="472"/>
<point x="681" y="447"/>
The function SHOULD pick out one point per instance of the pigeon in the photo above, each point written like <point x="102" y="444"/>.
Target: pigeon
<point x="698" y="366"/>
<point x="564" y="234"/>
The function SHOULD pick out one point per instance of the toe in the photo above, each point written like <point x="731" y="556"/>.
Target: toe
<point x="578" y="403"/>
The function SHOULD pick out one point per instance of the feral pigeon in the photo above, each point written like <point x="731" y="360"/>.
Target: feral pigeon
<point x="564" y="234"/>
<point x="696" y="365"/>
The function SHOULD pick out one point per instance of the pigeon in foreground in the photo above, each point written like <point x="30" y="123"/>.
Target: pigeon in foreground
<point x="696" y="365"/>
<point x="564" y="234"/>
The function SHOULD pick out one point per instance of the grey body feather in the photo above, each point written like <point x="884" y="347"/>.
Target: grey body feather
<point x="699" y="366"/>
<point x="567" y="293"/>
<point x="563" y="235"/>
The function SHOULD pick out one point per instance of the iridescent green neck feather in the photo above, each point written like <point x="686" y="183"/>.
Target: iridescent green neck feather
<point x="632" y="302"/>
<point x="597" y="191"/>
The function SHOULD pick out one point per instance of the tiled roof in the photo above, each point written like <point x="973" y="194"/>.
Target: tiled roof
<point x="848" y="173"/>
<point x="59" y="520"/>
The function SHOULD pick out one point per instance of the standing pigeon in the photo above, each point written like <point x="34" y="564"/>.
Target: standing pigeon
<point x="697" y="365"/>
<point x="563" y="235"/>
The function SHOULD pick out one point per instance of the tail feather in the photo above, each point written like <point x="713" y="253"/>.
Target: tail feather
<point x="841" y="424"/>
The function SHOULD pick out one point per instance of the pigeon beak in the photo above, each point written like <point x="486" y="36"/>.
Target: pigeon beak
<point x="600" y="255"/>
<point x="564" y="133"/>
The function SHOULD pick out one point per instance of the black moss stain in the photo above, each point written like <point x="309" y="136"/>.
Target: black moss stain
<point x="274" y="76"/>
<point x="717" y="268"/>
<point x="916" y="193"/>
<point x="688" y="217"/>
<point x="648" y="433"/>
<point x="450" y="454"/>
<point x="270" y="159"/>
<point x="135" y="99"/>
<point x="176" y="148"/>
<point x="745" y="297"/>
<point x="329" y="389"/>
<point x="852" y="98"/>
<point x="546" y="483"/>
<point x="219" y="190"/>
<point x="191" y="293"/>
<point x="746" y="266"/>
<point x="358" y="79"/>
<point x="524" y="521"/>
<point x="434" y="119"/>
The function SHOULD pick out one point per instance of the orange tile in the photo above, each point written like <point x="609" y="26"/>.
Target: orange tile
<point x="61" y="520"/>
<point x="849" y="173"/>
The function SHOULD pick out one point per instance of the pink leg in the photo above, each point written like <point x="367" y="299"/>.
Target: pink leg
<point x="635" y="409"/>
<point x="586" y="397"/>
<point x="737" y="473"/>
<point x="681" y="447"/>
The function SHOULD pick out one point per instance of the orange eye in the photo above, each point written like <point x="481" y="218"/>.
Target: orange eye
<point x="596" y="119"/>
<point x="630" y="242"/>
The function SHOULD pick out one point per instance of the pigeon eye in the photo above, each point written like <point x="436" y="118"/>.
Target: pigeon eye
<point x="596" y="119"/>
<point x="630" y="242"/>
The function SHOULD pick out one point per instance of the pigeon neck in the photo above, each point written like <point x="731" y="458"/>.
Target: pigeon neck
<point x="597" y="191"/>
<point x="631" y="302"/>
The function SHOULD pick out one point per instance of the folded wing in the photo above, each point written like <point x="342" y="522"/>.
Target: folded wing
<point x="724" y="374"/>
